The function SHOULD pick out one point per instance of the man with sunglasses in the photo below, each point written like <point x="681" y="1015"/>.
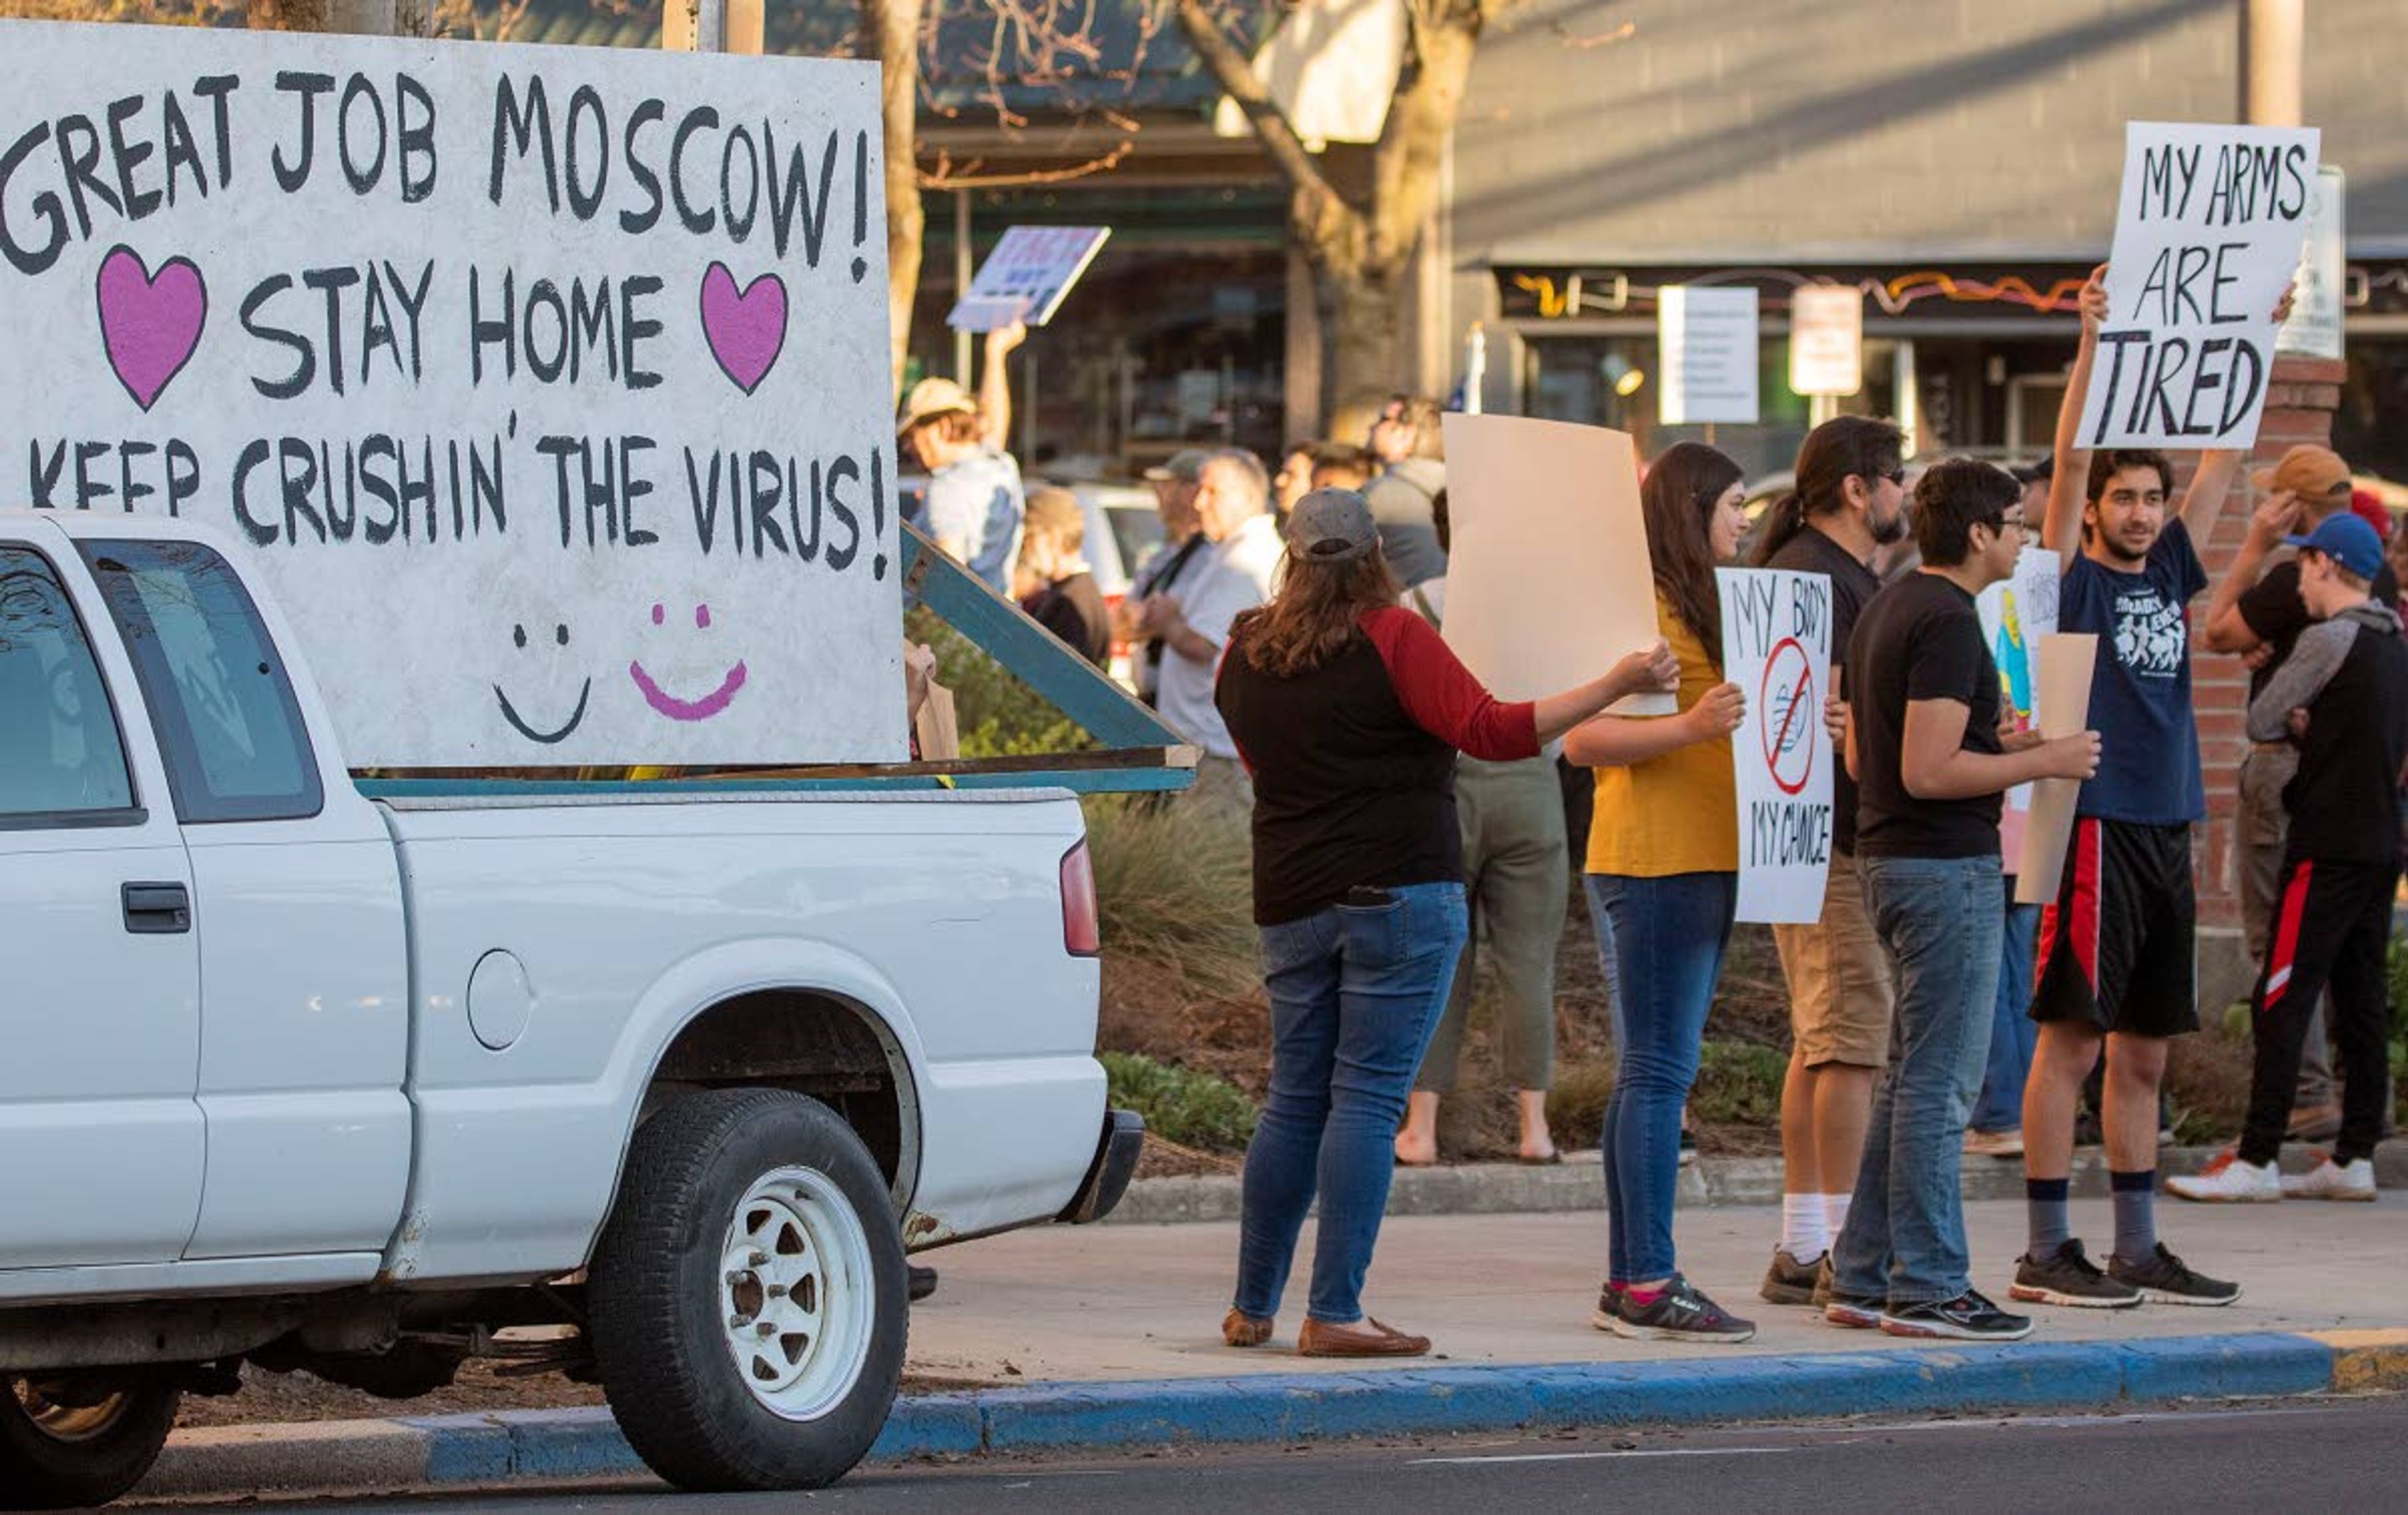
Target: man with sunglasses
<point x="2118" y="949"/>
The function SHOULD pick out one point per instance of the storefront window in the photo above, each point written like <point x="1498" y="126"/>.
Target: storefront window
<point x="1611" y="380"/>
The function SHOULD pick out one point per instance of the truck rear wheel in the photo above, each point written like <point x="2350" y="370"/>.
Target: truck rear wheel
<point x="62" y="1447"/>
<point x="747" y="1300"/>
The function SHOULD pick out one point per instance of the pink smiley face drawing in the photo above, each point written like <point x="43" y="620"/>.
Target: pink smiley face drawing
<point x="701" y="707"/>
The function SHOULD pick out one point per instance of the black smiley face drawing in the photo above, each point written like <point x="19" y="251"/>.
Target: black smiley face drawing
<point x="519" y="722"/>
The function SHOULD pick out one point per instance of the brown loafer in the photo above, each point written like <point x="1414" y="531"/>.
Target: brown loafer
<point x="1369" y="1338"/>
<point x="1240" y="1329"/>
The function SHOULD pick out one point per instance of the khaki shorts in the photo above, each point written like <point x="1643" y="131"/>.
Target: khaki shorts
<point x="1840" y="994"/>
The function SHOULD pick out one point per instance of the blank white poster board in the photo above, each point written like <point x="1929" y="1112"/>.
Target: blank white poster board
<point x="1548" y="584"/>
<point x="2061" y="684"/>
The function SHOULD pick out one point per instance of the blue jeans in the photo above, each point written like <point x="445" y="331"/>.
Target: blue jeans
<point x="1355" y="992"/>
<point x="2013" y="1034"/>
<point x="1940" y="921"/>
<point x="1667" y="937"/>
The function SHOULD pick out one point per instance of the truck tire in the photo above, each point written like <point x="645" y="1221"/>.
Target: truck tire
<point x="747" y="1300"/>
<point x="63" y="1454"/>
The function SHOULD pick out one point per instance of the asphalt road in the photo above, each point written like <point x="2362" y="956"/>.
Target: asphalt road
<point x="2336" y="1454"/>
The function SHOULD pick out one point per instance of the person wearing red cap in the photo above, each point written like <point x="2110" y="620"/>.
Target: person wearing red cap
<point x="2341" y="697"/>
<point x="2257" y="613"/>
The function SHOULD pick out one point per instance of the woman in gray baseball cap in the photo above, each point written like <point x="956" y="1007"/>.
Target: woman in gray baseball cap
<point x="1348" y="711"/>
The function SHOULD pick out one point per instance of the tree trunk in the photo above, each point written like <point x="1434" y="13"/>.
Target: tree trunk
<point x="890" y="31"/>
<point x="1361" y="314"/>
<point x="360" y="17"/>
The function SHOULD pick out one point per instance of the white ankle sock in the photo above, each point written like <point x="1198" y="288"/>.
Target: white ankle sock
<point x="1835" y="1213"/>
<point x="1804" y="1233"/>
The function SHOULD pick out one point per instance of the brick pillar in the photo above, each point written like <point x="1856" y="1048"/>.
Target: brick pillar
<point x="2299" y="406"/>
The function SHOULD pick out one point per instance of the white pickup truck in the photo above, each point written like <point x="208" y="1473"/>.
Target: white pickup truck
<point x="300" y="1079"/>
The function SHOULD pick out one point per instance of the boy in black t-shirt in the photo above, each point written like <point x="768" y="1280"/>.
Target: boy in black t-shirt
<point x="2343" y="697"/>
<point x="1930" y="763"/>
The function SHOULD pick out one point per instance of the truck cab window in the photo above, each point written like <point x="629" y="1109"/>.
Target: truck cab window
<point x="62" y="762"/>
<point x="220" y="701"/>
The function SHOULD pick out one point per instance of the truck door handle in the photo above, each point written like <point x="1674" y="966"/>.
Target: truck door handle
<point x="157" y="909"/>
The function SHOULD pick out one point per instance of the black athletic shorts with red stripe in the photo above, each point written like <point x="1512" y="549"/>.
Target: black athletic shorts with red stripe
<point x="2120" y="946"/>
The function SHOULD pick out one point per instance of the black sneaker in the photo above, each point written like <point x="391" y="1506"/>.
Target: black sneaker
<point x="1789" y="1281"/>
<point x="2067" y="1276"/>
<point x="1857" y="1312"/>
<point x="2165" y="1279"/>
<point x="1968" y="1317"/>
<point x="1679" y="1313"/>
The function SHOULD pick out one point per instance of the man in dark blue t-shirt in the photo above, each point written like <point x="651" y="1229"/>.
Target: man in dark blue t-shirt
<point x="2117" y="968"/>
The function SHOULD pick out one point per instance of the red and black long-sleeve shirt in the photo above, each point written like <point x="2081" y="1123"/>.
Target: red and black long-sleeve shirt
<point x="1354" y="763"/>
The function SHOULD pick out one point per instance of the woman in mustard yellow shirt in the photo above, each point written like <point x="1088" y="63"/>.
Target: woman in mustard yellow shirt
<point x="1663" y="880"/>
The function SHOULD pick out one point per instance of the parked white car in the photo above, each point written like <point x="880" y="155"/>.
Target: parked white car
<point x="300" y="1079"/>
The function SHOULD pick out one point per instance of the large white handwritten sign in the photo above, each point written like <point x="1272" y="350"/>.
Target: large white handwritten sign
<point x="1777" y="648"/>
<point x="547" y="386"/>
<point x="2208" y="233"/>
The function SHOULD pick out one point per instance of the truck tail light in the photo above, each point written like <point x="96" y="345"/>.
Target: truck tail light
<point x="1082" y="933"/>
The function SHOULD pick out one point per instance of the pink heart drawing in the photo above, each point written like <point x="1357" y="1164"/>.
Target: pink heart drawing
<point x="150" y="323"/>
<point x="745" y="328"/>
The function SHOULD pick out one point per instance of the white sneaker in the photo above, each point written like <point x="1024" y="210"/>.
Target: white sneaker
<point x="2330" y="1179"/>
<point x="2229" y="1180"/>
<point x="1999" y="1144"/>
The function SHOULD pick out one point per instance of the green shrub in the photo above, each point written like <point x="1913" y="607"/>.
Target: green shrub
<point x="1576" y="1103"/>
<point x="1739" y="1083"/>
<point x="1174" y="885"/>
<point x="1194" y="1109"/>
<point x="998" y="715"/>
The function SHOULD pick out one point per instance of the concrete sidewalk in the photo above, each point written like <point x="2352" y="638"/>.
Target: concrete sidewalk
<point x="1101" y="1302"/>
<point x="1108" y="1336"/>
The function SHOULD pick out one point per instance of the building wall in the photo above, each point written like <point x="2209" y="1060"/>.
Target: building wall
<point x="1827" y="129"/>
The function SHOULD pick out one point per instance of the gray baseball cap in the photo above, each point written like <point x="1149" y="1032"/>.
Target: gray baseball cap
<point x="1186" y="466"/>
<point x="1332" y="525"/>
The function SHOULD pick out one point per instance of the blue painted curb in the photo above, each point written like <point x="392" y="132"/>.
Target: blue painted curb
<point x="1286" y="1408"/>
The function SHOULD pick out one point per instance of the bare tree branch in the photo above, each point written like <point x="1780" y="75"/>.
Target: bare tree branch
<point x="946" y="176"/>
<point x="1235" y="73"/>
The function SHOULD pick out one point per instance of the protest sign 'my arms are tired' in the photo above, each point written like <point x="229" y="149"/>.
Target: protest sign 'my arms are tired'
<point x="2207" y="232"/>
<point x="547" y="387"/>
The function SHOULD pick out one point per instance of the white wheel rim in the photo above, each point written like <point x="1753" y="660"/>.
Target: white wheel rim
<point x="796" y="1292"/>
<point x="68" y="1422"/>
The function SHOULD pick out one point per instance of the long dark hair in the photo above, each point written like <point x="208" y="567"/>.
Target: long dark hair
<point x="1316" y="614"/>
<point x="1841" y="449"/>
<point x="1677" y="499"/>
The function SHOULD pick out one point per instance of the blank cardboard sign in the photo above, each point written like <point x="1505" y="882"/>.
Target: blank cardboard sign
<point x="1547" y="582"/>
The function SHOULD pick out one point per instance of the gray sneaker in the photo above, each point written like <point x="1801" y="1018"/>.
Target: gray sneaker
<point x="1789" y="1281"/>
<point x="2166" y="1279"/>
<point x="2067" y="1276"/>
<point x="1679" y="1313"/>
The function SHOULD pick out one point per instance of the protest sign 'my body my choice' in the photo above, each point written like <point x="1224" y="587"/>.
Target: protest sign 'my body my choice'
<point x="1777" y="648"/>
<point x="2208" y="232"/>
<point x="548" y="386"/>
